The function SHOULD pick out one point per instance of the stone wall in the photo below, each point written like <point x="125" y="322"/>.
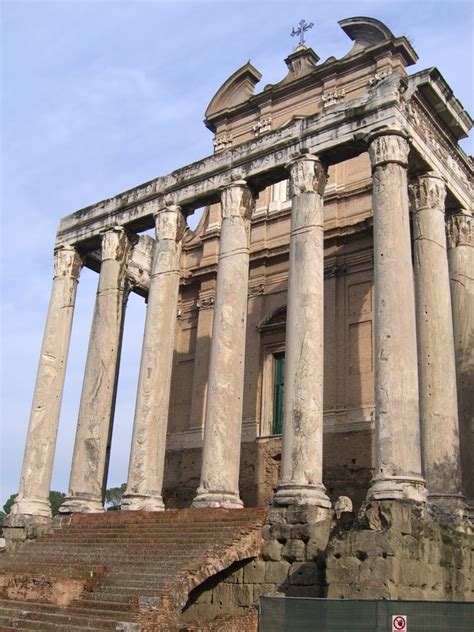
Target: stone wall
<point x="401" y="550"/>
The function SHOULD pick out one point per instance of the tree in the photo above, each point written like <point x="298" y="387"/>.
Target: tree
<point x="113" y="497"/>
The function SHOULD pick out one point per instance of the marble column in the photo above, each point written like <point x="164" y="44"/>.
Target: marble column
<point x="437" y="370"/>
<point x="147" y="458"/>
<point x="302" y="435"/>
<point x="461" y="267"/>
<point x="219" y="486"/>
<point x="96" y="410"/>
<point x="35" y="483"/>
<point x="397" y="421"/>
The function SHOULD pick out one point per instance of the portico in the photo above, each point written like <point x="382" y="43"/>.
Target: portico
<point x="416" y="359"/>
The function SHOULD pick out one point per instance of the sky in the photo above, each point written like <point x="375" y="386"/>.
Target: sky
<point x="99" y="96"/>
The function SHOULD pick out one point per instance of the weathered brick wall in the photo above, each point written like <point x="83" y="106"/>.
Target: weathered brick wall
<point x="347" y="470"/>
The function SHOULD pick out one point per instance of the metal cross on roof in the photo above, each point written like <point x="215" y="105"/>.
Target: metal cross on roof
<point x="303" y="26"/>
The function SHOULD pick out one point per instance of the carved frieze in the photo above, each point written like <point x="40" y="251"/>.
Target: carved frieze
<point x="332" y="97"/>
<point x="222" y="142"/>
<point x="262" y="126"/>
<point x="67" y="262"/>
<point x="388" y="148"/>
<point x="459" y="230"/>
<point x="438" y="144"/>
<point x="256" y="290"/>
<point x="377" y="77"/>
<point x="428" y="191"/>
<point x="205" y="301"/>
<point x="307" y="174"/>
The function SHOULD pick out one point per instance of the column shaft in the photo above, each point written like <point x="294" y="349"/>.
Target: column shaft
<point x="219" y="486"/>
<point x="33" y="496"/>
<point x="398" y="449"/>
<point x="302" y="437"/>
<point x="147" y="459"/>
<point x="96" y="410"/>
<point x="461" y="269"/>
<point x="437" y="372"/>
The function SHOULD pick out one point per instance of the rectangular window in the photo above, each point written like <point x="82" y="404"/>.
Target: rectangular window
<point x="278" y="391"/>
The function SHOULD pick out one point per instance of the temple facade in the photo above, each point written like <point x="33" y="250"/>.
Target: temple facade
<point x="312" y="337"/>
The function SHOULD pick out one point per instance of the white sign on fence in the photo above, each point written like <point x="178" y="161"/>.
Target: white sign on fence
<point x="399" y="623"/>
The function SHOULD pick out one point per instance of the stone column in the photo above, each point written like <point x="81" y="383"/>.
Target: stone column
<point x="147" y="459"/>
<point x="35" y="483"/>
<point x="437" y="370"/>
<point x="461" y="268"/>
<point x="219" y="485"/>
<point x="397" y="424"/>
<point x="96" y="410"/>
<point x="302" y="436"/>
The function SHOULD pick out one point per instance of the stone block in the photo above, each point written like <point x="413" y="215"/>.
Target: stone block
<point x="313" y="592"/>
<point x="236" y="577"/>
<point x="264" y="589"/>
<point x="344" y="570"/>
<point x="223" y="595"/>
<point x="242" y="595"/>
<point x="376" y="569"/>
<point x="300" y="532"/>
<point x="281" y="532"/>
<point x="276" y="572"/>
<point x="294" y="550"/>
<point x="271" y="550"/>
<point x="304" y="574"/>
<point x="277" y="515"/>
<point x="254" y="572"/>
<point x="205" y="596"/>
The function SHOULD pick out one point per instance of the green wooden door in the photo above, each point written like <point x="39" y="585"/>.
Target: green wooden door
<point x="278" y="391"/>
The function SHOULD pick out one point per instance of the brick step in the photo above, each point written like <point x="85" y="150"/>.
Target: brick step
<point x="65" y="618"/>
<point x="133" y="538"/>
<point x="132" y="544"/>
<point x="114" y="557"/>
<point x="98" y="609"/>
<point x="44" y="626"/>
<point x="171" y="515"/>
<point x="143" y="526"/>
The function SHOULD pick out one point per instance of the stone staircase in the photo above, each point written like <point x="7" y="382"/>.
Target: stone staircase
<point x="121" y="570"/>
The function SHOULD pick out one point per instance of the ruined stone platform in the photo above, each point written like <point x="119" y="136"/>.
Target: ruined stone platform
<point x="123" y="570"/>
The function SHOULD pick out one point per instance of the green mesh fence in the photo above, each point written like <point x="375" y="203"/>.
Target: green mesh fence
<point x="291" y="614"/>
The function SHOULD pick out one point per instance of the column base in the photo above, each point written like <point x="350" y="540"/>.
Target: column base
<point x="304" y="495"/>
<point x="217" y="499"/>
<point x="24" y="510"/>
<point x="142" y="502"/>
<point x="398" y="488"/>
<point x="82" y="504"/>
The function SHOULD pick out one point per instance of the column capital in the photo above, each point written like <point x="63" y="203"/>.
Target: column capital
<point x="67" y="262"/>
<point x="428" y="191"/>
<point x="389" y="146"/>
<point x="115" y="244"/>
<point x="459" y="230"/>
<point x="170" y="223"/>
<point x="307" y="175"/>
<point x="237" y="200"/>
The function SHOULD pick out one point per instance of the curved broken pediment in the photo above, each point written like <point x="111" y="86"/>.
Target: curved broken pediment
<point x="235" y="90"/>
<point x="365" y="32"/>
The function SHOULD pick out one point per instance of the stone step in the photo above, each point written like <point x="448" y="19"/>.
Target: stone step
<point x="75" y="609"/>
